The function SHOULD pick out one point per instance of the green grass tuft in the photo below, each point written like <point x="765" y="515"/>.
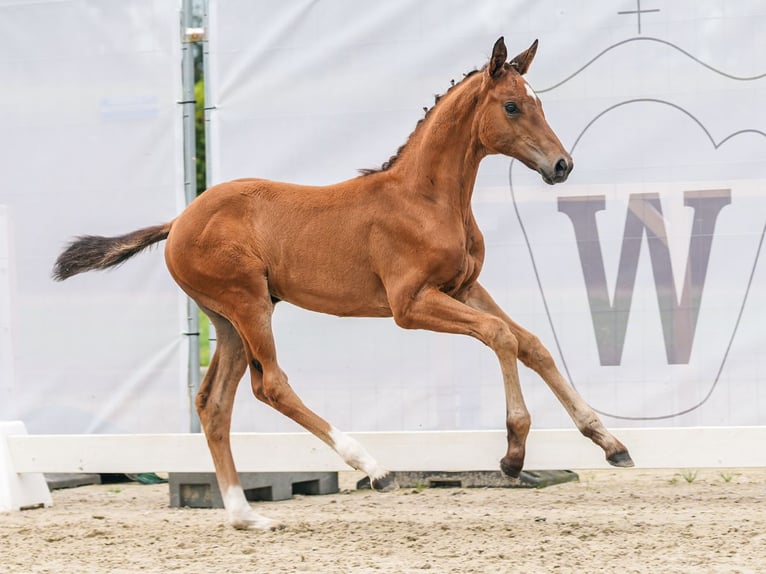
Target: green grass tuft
<point x="204" y="343"/>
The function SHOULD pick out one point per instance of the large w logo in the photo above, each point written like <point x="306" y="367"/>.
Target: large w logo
<point x="644" y="217"/>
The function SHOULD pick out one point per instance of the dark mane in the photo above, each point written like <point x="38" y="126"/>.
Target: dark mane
<point x="437" y="98"/>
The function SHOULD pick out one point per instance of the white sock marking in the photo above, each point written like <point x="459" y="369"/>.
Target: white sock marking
<point x="240" y="514"/>
<point x="355" y="455"/>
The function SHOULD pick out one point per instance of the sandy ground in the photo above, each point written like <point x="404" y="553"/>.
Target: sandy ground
<point x="610" y="521"/>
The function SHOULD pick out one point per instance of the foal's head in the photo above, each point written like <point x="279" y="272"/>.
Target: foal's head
<point x="511" y="118"/>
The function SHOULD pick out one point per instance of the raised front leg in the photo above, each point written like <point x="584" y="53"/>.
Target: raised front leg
<point x="535" y="356"/>
<point x="435" y="311"/>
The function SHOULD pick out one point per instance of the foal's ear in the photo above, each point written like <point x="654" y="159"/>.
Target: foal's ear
<point x="497" y="61"/>
<point x="523" y="60"/>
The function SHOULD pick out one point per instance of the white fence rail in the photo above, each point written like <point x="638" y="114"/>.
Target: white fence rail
<point x="24" y="457"/>
<point x="417" y="451"/>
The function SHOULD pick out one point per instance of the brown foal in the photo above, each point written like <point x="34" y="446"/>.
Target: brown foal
<point x="401" y="241"/>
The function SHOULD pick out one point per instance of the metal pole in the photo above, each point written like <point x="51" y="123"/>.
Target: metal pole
<point x="189" y="36"/>
<point x="209" y="107"/>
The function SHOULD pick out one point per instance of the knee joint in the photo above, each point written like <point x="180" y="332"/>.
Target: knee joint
<point x="501" y="338"/>
<point x="535" y="355"/>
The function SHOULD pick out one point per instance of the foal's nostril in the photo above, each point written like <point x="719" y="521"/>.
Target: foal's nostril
<point x="561" y="167"/>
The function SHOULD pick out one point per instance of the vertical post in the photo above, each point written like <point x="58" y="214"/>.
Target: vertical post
<point x="209" y="107"/>
<point x="188" y="36"/>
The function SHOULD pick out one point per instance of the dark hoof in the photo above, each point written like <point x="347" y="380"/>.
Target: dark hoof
<point x="511" y="470"/>
<point x="385" y="483"/>
<point x="621" y="459"/>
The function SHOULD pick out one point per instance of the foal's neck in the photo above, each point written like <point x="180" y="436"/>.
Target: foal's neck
<point x="444" y="152"/>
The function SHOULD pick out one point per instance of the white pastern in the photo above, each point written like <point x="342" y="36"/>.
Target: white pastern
<point x="241" y="515"/>
<point x="530" y="92"/>
<point x="355" y="455"/>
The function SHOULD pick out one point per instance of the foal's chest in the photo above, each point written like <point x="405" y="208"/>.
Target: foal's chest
<point x="462" y="261"/>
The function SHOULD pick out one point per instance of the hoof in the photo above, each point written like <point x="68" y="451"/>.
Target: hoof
<point x="386" y="483"/>
<point x="258" y="522"/>
<point x="620" y="459"/>
<point x="510" y="470"/>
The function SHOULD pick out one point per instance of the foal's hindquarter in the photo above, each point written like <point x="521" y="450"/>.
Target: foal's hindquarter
<point x="401" y="241"/>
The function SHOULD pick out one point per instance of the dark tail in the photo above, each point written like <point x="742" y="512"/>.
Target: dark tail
<point x="90" y="252"/>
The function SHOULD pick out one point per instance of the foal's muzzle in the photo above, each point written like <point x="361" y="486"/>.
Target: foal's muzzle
<point x="560" y="171"/>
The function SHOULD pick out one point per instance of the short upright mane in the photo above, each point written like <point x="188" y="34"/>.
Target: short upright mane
<point x="437" y="98"/>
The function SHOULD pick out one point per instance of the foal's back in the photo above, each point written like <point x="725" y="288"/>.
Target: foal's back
<point x="311" y="245"/>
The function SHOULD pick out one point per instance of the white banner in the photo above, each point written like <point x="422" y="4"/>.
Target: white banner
<point x="642" y="274"/>
<point x="6" y="350"/>
<point x="91" y="144"/>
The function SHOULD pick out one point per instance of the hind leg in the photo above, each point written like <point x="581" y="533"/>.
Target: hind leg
<point x="269" y="383"/>
<point x="214" y="402"/>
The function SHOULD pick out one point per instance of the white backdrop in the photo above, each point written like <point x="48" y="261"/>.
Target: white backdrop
<point x="91" y="145"/>
<point x="643" y="273"/>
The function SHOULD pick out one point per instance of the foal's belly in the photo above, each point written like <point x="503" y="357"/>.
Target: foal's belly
<point x="338" y="290"/>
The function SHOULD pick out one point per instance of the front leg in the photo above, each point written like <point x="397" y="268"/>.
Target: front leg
<point x="434" y="310"/>
<point x="535" y="356"/>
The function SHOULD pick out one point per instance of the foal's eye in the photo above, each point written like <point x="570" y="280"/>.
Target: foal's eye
<point x="511" y="108"/>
